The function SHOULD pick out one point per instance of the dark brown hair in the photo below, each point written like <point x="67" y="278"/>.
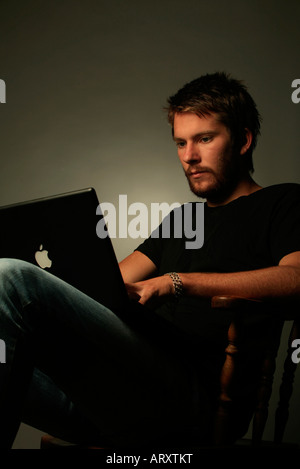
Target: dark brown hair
<point x="225" y="96"/>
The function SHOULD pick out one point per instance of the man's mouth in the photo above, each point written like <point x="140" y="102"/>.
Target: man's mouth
<point x="197" y="173"/>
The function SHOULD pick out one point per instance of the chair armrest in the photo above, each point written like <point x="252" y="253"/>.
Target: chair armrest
<point x="236" y="302"/>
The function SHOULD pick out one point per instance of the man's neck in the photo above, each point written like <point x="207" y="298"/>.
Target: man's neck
<point x="246" y="186"/>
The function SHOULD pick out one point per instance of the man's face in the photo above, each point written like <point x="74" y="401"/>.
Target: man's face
<point x="206" y="153"/>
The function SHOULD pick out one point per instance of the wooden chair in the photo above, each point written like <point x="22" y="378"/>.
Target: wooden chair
<point x="239" y="309"/>
<point x="276" y="315"/>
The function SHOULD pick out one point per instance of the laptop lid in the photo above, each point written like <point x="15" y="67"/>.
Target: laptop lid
<point x="58" y="234"/>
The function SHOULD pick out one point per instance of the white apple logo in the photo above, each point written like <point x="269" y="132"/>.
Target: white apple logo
<point x="42" y="258"/>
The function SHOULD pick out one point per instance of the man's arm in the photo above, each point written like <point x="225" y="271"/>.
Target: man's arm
<point x="270" y="283"/>
<point x="278" y="282"/>
<point x="136" y="267"/>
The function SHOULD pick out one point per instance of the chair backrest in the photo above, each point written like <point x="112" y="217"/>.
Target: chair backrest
<point x="239" y="308"/>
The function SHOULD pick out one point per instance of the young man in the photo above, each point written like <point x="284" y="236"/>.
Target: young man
<point x="76" y="370"/>
<point x="216" y="154"/>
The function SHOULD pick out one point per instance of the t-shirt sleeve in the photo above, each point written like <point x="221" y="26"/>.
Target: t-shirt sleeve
<point x="152" y="248"/>
<point x="160" y="243"/>
<point x="285" y="226"/>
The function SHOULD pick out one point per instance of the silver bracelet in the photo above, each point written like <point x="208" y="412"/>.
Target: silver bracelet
<point x="177" y="283"/>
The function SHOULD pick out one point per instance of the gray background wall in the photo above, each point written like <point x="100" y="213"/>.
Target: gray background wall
<point x="86" y="82"/>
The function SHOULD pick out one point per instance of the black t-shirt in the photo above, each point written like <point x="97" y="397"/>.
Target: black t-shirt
<point x="251" y="232"/>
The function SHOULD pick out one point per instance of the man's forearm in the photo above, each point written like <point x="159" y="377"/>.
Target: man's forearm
<point x="271" y="283"/>
<point x="278" y="282"/>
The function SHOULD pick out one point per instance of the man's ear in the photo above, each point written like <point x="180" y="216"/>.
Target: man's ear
<point x="247" y="142"/>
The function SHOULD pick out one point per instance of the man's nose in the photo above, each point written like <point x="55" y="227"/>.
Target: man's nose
<point x="191" y="154"/>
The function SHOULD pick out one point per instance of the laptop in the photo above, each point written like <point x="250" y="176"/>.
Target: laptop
<point x="58" y="234"/>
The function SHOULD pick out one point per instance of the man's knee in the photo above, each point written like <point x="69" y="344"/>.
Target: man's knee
<point x="13" y="287"/>
<point x="8" y="265"/>
<point x="14" y="269"/>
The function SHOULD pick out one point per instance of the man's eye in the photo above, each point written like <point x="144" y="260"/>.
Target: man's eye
<point x="180" y="144"/>
<point x="205" y="139"/>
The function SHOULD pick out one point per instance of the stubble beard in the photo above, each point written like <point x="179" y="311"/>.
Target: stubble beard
<point x="221" y="186"/>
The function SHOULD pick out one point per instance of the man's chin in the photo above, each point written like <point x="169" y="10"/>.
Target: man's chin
<point x="204" y="186"/>
<point x="201" y="191"/>
<point x="215" y="195"/>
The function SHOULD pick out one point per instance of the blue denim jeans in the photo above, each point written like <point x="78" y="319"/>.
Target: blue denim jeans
<point x="76" y="370"/>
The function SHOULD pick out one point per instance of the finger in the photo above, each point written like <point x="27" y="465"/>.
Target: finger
<point x="133" y="295"/>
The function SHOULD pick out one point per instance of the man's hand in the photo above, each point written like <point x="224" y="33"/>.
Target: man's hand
<point x="151" y="292"/>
